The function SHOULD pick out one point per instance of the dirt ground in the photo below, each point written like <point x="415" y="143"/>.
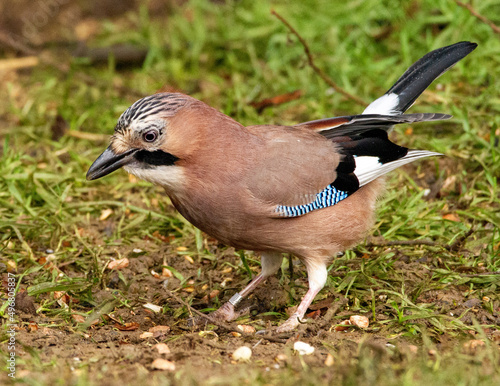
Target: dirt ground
<point x="119" y="340"/>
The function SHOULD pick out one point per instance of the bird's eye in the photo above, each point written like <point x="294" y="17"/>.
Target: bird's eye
<point x="150" y="136"/>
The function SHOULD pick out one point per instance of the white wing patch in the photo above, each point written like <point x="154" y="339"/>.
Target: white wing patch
<point x="370" y="168"/>
<point x="385" y="105"/>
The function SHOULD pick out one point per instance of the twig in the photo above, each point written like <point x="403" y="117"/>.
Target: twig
<point x="332" y="311"/>
<point x="460" y="241"/>
<point x="316" y="69"/>
<point x="481" y="274"/>
<point x="61" y="67"/>
<point x="276" y="100"/>
<point x="380" y="242"/>
<point x="387" y="243"/>
<point x="475" y="13"/>
<point x="219" y="323"/>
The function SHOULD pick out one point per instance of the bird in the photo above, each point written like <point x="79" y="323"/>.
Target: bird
<point x="309" y="190"/>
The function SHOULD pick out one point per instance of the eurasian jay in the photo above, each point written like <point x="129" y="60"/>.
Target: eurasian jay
<point x="308" y="190"/>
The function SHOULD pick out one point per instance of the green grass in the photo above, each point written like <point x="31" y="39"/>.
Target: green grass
<point x="229" y="55"/>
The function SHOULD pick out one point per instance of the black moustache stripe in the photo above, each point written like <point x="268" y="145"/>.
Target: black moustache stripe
<point x="155" y="158"/>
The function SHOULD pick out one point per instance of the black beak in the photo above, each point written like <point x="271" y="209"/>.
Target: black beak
<point x="108" y="162"/>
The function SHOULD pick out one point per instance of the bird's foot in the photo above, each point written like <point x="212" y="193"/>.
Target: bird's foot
<point x="226" y="313"/>
<point x="289" y="325"/>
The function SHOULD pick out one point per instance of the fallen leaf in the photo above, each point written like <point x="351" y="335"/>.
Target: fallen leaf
<point x="78" y="318"/>
<point x="451" y="217"/>
<point x="105" y="213"/>
<point x="159" y="329"/>
<point x="314" y="314"/>
<point x="276" y="100"/>
<point x="165" y="272"/>
<point x="118" y="264"/>
<point x="32" y="327"/>
<point x="329" y="361"/>
<point x="132" y="326"/>
<point x="344" y="325"/>
<point x="152" y="307"/>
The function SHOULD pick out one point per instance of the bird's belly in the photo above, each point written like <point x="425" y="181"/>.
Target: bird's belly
<point x="323" y="231"/>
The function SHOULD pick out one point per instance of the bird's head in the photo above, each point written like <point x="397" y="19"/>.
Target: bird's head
<point x="142" y="142"/>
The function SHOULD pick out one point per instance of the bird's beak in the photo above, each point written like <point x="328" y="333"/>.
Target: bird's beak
<point x="108" y="162"/>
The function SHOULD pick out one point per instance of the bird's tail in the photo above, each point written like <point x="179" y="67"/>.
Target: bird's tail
<point x="417" y="78"/>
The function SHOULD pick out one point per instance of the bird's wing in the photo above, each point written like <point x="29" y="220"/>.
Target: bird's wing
<point x="298" y="171"/>
<point x="355" y="125"/>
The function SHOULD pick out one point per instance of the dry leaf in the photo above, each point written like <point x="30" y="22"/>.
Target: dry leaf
<point x="78" y="318"/>
<point x="152" y="307"/>
<point x="314" y="314"/>
<point x="132" y="326"/>
<point x="344" y="325"/>
<point x="164" y="329"/>
<point x="451" y="217"/>
<point x="165" y="272"/>
<point x="329" y="361"/>
<point x="118" y="264"/>
<point x="32" y="327"/>
<point x="105" y="213"/>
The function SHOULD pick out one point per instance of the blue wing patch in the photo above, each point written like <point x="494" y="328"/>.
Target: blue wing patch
<point x="327" y="197"/>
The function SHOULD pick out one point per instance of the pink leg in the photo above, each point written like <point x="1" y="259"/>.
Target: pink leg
<point x="270" y="263"/>
<point x="317" y="273"/>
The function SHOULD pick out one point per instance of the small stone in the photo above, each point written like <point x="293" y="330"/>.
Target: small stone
<point x="303" y="348"/>
<point x="472" y="346"/>
<point x="105" y="214"/>
<point x="246" y="328"/>
<point x="163" y="364"/>
<point x="242" y="354"/>
<point x="165" y="272"/>
<point x="329" y="361"/>
<point x="359" y="321"/>
<point x="162" y="348"/>
<point x="413" y="349"/>
<point x="281" y="358"/>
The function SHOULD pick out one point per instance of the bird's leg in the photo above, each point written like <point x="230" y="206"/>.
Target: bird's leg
<point x="270" y="262"/>
<point x="317" y="274"/>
